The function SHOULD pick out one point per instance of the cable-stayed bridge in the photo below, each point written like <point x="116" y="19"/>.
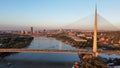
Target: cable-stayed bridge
<point x="87" y="22"/>
<point x="100" y="23"/>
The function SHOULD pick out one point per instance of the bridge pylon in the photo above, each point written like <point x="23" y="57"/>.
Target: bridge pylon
<point x="95" y="34"/>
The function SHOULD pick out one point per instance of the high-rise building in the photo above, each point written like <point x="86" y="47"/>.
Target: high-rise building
<point x="31" y="30"/>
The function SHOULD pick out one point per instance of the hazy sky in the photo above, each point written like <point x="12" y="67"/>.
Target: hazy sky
<point x="41" y="13"/>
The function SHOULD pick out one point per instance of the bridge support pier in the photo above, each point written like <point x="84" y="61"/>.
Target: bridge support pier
<point x="95" y="54"/>
<point x="85" y="55"/>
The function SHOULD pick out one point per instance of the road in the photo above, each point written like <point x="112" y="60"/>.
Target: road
<point x="80" y="51"/>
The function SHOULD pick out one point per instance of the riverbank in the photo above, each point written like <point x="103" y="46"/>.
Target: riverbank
<point x="14" y="41"/>
<point x="82" y="44"/>
<point x="102" y="62"/>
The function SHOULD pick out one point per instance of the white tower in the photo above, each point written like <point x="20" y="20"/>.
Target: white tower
<point x="95" y="33"/>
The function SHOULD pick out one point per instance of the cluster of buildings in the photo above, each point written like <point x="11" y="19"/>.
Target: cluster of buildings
<point x="106" y="38"/>
<point x="77" y="35"/>
<point x="109" y="39"/>
<point x="24" y="32"/>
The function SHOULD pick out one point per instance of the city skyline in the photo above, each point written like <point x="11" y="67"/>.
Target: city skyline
<point x="52" y="13"/>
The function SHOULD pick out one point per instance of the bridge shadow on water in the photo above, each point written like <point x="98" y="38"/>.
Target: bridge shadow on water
<point x="34" y="64"/>
<point x="39" y="60"/>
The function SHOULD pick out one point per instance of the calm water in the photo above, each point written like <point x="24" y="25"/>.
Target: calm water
<point x="44" y="60"/>
<point x="41" y="60"/>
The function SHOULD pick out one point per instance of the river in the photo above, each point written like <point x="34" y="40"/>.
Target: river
<point x="43" y="60"/>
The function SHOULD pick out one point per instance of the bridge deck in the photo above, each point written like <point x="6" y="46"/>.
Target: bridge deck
<point x="44" y="50"/>
<point x="80" y="51"/>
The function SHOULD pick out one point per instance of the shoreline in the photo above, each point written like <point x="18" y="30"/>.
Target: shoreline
<point x="16" y="41"/>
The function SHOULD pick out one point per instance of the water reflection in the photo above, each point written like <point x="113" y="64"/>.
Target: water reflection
<point x="42" y="60"/>
<point x="49" y="43"/>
